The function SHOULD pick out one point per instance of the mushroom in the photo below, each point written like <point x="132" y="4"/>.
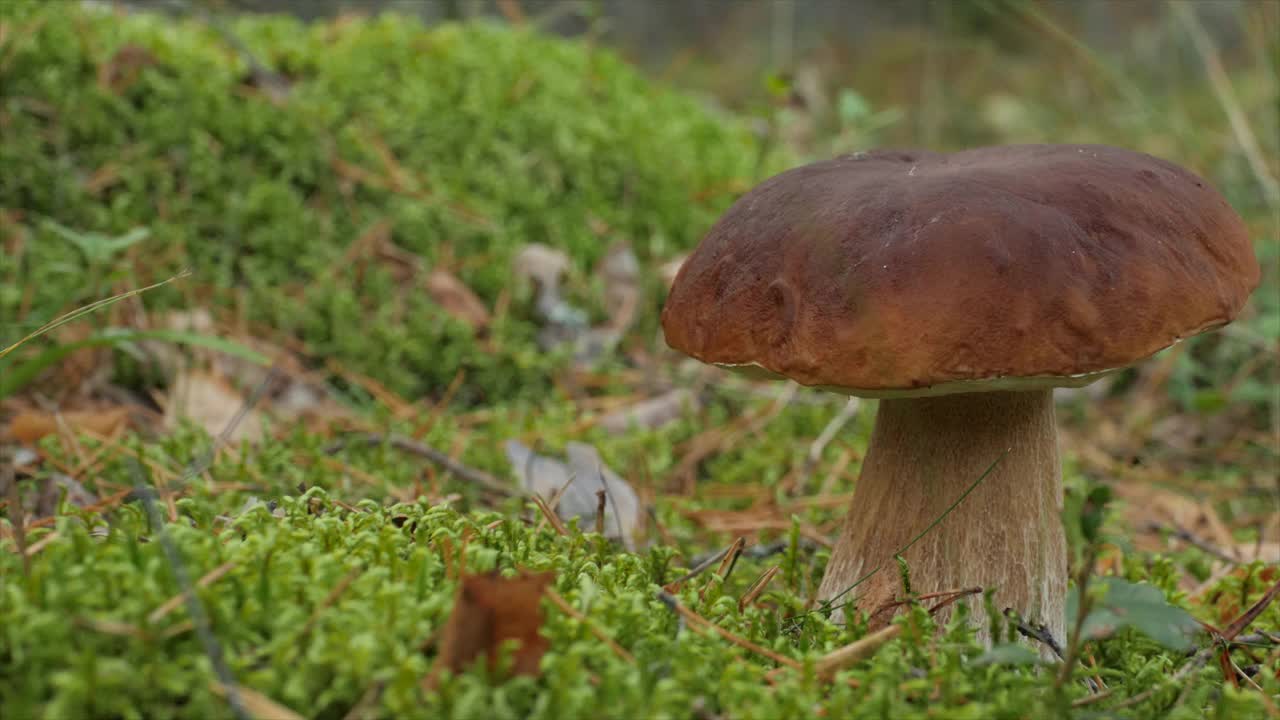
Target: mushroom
<point x="960" y="289"/>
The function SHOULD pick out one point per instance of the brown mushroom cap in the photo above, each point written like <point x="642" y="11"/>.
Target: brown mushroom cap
<point x="902" y="273"/>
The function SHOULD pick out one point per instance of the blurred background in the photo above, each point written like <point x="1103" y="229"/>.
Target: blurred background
<point x="478" y="203"/>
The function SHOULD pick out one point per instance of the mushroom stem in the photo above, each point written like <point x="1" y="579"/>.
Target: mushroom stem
<point x="1007" y="533"/>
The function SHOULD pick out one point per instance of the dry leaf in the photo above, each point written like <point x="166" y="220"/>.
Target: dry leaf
<point x="541" y="264"/>
<point x="1145" y="504"/>
<point x="29" y="426"/>
<point x="651" y="413"/>
<point x="620" y="271"/>
<point x="544" y="266"/>
<point x="457" y="299"/>
<point x="490" y="610"/>
<point x="546" y="477"/>
<point x="210" y="402"/>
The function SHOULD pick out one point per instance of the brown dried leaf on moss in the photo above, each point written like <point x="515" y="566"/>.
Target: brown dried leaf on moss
<point x="457" y="299"/>
<point x="577" y="484"/>
<point x="30" y="426"/>
<point x="211" y="402"/>
<point x="490" y="610"/>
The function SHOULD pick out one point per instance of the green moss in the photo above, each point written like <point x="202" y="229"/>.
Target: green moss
<point x="475" y="140"/>
<point x="499" y="137"/>
<point x="78" y="638"/>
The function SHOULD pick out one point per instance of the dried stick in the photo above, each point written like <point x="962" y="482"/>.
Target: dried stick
<point x="571" y="611"/>
<point x="696" y="621"/>
<point x="413" y="447"/>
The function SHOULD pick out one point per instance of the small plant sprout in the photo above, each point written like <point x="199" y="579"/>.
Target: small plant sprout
<point x="961" y="289"/>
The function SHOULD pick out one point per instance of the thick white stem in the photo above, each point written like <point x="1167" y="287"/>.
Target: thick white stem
<point x="1007" y="534"/>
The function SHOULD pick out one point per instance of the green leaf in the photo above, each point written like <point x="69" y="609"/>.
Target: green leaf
<point x="852" y="106"/>
<point x="1143" y="607"/>
<point x="1093" y="512"/>
<point x="1010" y="654"/>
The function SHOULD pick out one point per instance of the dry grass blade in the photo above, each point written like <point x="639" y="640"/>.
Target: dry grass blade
<point x="1246" y="619"/>
<point x="99" y="506"/>
<point x="819" y="445"/>
<point x="15" y="512"/>
<point x="42" y="543"/>
<point x="82" y="311"/>
<point x="1221" y="83"/>
<point x="701" y="568"/>
<point x="731" y="558"/>
<point x="172" y="603"/>
<point x="864" y="648"/>
<point x="257" y="705"/>
<point x="569" y="610"/>
<point x="550" y="515"/>
<point x="757" y="588"/>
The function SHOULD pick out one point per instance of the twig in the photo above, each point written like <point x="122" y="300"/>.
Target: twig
<point x="42" y="543"/>
<point x="1040" y="633"/>
<point x="195" y="609"/>
<point x="1083" y="605"/>
<point x="602" y="500"/>
<point x="698" y="569"/>
<point x="1246" y="619"/>
<point x="1198" y="660"/>
<point x="413" y="447"/>
<point x="568" y="609"/>
<point x="1191" y="538"/>
<point x="731" y="558"/>
<point x="1223" y="641"/>
<point x="225" y="681"/>
<point x="262" y="706"/>
<point x="837" y="660"/>
<point x="15" y="512"/>
<point x="824" y="438"/>
<point x="757" y="587"/>
<point x="696" y="621"/>
<point x="172" y="603"/>
<point x="550" y="515"/>
<point x="948" y="597"/>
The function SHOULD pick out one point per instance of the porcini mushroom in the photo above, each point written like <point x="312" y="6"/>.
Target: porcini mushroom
<point x="960" y="289"/>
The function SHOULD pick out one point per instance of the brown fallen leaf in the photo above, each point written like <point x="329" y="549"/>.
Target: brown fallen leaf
<point x="620" y="271"/>
<point x="29" y="426"/>
<point x="457" y="299"/>
<point x="491" y="609"/>
<point x="653" y="412"/>
<point x="211" y="402"/>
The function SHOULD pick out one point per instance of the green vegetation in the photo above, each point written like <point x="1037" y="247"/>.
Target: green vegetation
<point x="133" y="147"/>
<point x="468" y="141"/>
